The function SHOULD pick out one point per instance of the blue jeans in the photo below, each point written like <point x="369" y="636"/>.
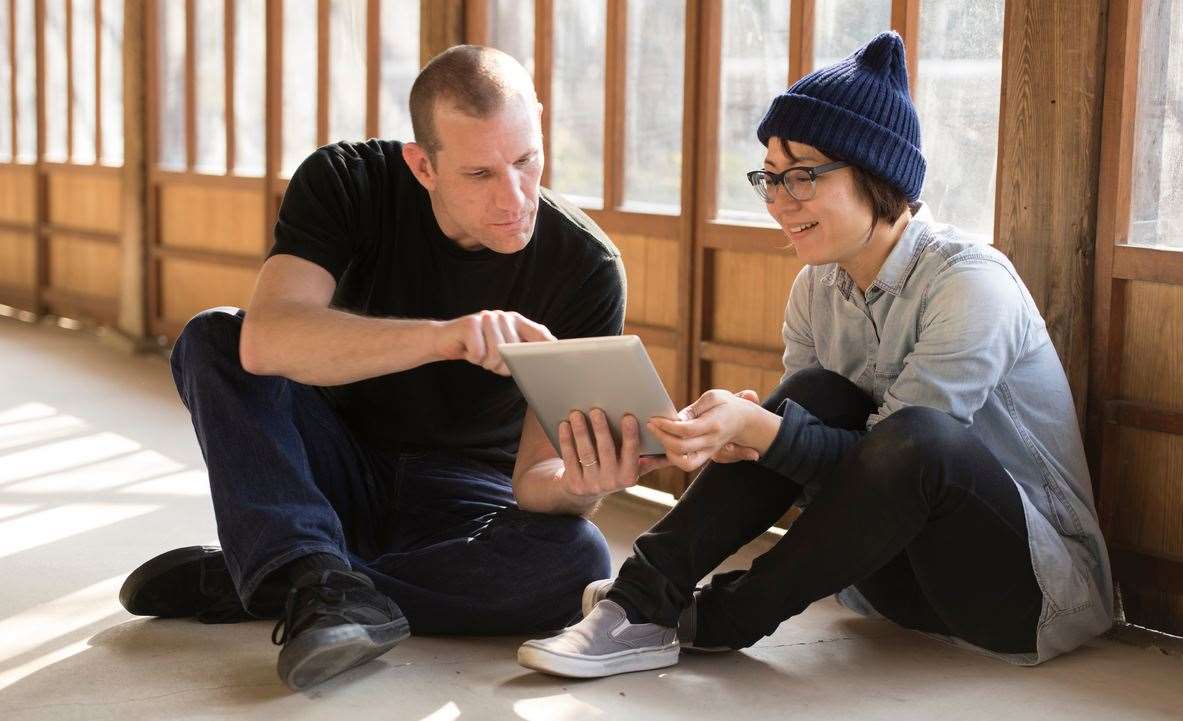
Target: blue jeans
<point x="440" y="534"/>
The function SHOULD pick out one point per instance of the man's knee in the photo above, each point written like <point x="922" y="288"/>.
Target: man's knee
<point x="211" y="333"/>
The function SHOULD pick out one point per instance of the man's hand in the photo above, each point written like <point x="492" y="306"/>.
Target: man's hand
<point x="594" y="469"/>
<point x="475" y="337"/>
<point x="712" y="428"/>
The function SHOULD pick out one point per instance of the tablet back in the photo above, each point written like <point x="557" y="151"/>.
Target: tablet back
<point x="612" y="373"/>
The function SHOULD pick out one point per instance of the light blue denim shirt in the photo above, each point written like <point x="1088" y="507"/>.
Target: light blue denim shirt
<point x="949" y="324"/>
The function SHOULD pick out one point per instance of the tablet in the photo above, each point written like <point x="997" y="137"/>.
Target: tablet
<point x="612" y="373"/>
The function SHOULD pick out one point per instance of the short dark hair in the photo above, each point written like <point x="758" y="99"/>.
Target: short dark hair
<point x="476" y="80"/>
<point x="887" y="201"/>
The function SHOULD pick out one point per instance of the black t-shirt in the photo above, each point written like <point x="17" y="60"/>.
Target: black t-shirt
<point x="356" y="210"/>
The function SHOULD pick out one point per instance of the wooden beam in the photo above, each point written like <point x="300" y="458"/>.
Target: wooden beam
<point x="615" y="52"/>
<point x="1049" y="155"/>
<point x="905" y="20"/>
<point x="477" y="30"/>
<point x="544" y="50"/>
<point x="133" y="270"/>
<point x="272" y="114"/>
<point x="373" y="65"/>
<point x="1149" y="264"/>
<point x="441" y="25"/>
<point x="323" y="72"/>
<point x="801" y="31"/>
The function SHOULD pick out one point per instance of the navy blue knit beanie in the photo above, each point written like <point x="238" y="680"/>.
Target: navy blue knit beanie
<point x="857" y="109"/>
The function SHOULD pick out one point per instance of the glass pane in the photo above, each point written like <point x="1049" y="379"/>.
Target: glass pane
<point x="26" y="83"/>
<point x="511" y="28"/>
<point x="653" y="130"/>
<point x="1156" y="208"/>
<point x="55" y="81"/>
<point x="172" y="85"/>
<point x="843" y="26"/>
<point x="210" y="88"/>
<point x="299" y="83"/>
<point x="111" y="62"/>
<point x="82" y="50"/>
<point x="5" y="84"/>
<point x="399" y="66"/>
<point x="347" y="68"/>
<point x="249" y="101"/>
<point x="958" y="88"/>
<point x="577" y="101"/>
<point x="755" y="69"/>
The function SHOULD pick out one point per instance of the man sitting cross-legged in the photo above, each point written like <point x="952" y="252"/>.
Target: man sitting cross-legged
<point x="373" y="469"/>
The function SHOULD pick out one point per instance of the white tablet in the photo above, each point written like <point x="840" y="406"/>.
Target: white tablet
<point x="612" y="373"/>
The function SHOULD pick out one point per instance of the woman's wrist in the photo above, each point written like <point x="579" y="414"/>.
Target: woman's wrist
<point x="759" y="429"/>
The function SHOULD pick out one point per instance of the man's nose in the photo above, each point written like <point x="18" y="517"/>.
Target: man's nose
<point x="509" y="195"/>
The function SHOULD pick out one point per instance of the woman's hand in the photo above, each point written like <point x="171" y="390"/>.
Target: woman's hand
<point x="712" y="428"/>
<point x="593" y="468"/>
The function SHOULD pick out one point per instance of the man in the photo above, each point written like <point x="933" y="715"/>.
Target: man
<point x="373" y="469"/>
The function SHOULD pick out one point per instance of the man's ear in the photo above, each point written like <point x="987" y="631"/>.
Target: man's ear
<point x="419" y="162"/>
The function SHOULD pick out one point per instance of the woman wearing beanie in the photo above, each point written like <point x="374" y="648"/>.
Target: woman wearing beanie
<point x="924" y="423"/>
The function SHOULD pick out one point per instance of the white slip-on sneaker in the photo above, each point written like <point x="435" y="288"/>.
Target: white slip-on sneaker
<point x="597" y="591"/>
<point x="604" y="643"/>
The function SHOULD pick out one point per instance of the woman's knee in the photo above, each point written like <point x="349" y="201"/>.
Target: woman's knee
<point x="831" y="397"/>
<point x="910" y="439"/>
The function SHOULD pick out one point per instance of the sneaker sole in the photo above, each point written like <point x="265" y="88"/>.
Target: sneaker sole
<point x="557" y="664"/>
<point x="133" y="596"/>
<point x="318" y="655"/>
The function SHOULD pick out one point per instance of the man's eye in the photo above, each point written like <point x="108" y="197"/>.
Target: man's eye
<point x="478" y="174"/>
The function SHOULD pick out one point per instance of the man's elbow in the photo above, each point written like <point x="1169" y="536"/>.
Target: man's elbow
<point x="253" y="350"/>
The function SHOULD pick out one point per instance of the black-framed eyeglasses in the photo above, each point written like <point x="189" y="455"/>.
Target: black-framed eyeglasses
<point x="799" y="182"/>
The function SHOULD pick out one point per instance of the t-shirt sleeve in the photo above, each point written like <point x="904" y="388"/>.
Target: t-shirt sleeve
<point x="597" y="307"/>
<point x="319" y="216"/>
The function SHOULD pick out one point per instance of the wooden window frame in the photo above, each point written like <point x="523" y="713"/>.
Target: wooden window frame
<point x="1118" y="263"/>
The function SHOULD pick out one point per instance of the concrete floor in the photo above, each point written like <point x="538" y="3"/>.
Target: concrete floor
<point x="99" y="470"/>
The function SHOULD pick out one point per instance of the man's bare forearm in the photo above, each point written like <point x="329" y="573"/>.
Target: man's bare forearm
<point x="540" y="489"/>
<point x="325" y="346"/>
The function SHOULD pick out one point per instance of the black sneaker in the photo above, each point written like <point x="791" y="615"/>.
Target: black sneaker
<point x="333" y="621"/>
<point x="184" y="582"/>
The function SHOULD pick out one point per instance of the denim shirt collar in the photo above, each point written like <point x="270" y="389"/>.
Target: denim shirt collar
<point x="899" y="263"/>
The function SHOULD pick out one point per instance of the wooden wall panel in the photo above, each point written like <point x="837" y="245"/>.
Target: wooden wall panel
<point x="735" y="377"/>
<point x="85" y="200"/>
<point x="1149" y="499"/>
<point x="1154" y="323"/>
<point x="665" y="360"/>
<point x="188" y="286"/>
<point x="652" y="266"/>
<point x="84" y="266"/>
<point x="18" y="187"/>
<point x="212" y="218"/>
<point x="748" y="292"/>
<point x="16" y="259"/>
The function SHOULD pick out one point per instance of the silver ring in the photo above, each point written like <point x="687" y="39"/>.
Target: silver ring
<point x="590" y="463"/>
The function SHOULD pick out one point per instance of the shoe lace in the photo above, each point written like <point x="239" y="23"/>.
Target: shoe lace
<point x="299" y="603"/>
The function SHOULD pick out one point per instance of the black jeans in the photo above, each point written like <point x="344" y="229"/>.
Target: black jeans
<point x="919" y="516"/>
<point x="438" y="533"/>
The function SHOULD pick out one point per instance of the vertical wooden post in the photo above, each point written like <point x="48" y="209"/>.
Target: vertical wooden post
<point x="133" y="310"/>
<point x="615" y="52"/>
<point x="1049" y="153"/>
<point x="544" y="47"/>
<point x="441" y="25"/>
<point x="905" y="20"/>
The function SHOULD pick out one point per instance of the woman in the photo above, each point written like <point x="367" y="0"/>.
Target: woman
<point x="924" y="422"/>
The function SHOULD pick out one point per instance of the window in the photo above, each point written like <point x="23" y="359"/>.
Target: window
<point x="511" y="29"/>
<point x="6" y="115"/>
<point x="56" y="98"/>
<point x="172" y="85"/>
<point x="957" y="97"/>
<point x="653" y="106"/>
<point x="250" y="63"/>
<point x="83" y="72"/>
<point x="399" y="66"/>
<point x="347" y="70"/>
<point x="111" y="72"/>
<point x="1156" y="206"/>
<point x="577" y="101"/>
<point x="210" y="91"/>
<point x="754" y="69"/>
<point x="26" y="83"/>
<point x="299" y="83"/>
<point x="843" y="26"/>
